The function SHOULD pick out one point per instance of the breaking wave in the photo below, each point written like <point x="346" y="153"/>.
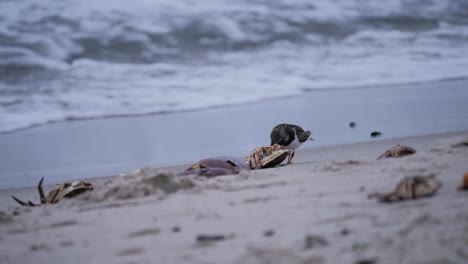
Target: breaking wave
<point x="69" y="59"/>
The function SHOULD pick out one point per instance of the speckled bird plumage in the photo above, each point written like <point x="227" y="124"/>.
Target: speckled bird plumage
<point x="288" y="135"/>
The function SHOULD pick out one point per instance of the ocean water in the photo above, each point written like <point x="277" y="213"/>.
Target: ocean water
<point x="77" y="59"/>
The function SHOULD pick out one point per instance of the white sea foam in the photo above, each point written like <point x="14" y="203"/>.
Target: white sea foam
<point x="71" y="59"/>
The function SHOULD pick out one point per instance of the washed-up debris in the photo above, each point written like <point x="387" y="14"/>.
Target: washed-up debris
<point x="273" y="255"/>
<point x="65" y="189"/>
<point x="359" y="246"/>
<point x="268" y="156"/>
<point x="462" y="142"/>
<point x="398" y="151"/>
<point x="145" y="232"/>
<point x="410" y="188"/>
<point x="210" y="238"/>
<point x="218" y="166"/>
<point x="367" y="261"/>
<point x="464" y="183"/>
<point x="313" y="241"/>
<point x="376" y="134"/>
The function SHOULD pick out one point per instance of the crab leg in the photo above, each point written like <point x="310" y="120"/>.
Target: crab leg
<point x="18" y="200"/>
<point x="54" y="198"/>
<point x="22" y="202"/>
<point x="258" y="163"/>
<point x="385" y="197"/>
<point x="41" y="191"/>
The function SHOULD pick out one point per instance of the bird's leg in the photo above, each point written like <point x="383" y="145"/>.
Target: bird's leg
<point x="290" y="157"/>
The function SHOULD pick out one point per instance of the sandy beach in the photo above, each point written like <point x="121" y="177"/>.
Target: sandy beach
<point x="124" y="99"/>
<point x="313" y="211"/>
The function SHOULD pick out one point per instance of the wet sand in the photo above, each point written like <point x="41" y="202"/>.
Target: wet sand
<point x="90" y="148"/>
<point x="314" y="211"/>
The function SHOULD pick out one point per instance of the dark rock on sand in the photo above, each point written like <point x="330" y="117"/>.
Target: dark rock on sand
<point x="313" y="241"/>
<point x="269" y="233"/>
<point x="210" y="238"/>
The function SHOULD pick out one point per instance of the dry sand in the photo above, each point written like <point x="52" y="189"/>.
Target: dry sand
<point x="314" y="211"/>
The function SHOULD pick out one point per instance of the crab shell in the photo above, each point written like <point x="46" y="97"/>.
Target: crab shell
<point x="218" y="166"/>
<point x="415" y="187"/>
<point x="68" y="190"/>
<point x="61" y="190"/>
<point x="411" y="188"/>
<point x="398" y="151"/>
<point x="268" y="157"/>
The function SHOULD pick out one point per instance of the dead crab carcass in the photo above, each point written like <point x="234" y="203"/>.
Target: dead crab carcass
<point x="410" y="188"/>
<point x="218" y="166"/>
<point x="398" y="151"/>
<point x="268" y="157"/>
<point x="60" y="191"/>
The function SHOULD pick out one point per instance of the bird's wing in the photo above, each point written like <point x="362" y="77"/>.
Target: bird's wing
<point x="279" y="136"/>
<point x="301" y="134"/>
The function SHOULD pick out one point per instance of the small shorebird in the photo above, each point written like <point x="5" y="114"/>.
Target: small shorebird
<point x="290" y="136"/>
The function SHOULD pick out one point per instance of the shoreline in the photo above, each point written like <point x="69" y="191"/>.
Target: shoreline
<point x="84" y="149"/>
<point x="313" y="211"/>
<point x="307" y="90"/>
<point x="310" y="152"/>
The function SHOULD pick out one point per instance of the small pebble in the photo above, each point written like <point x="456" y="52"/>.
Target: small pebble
<point x="176" y="229"/>
<point x="344" y="232"/>
<point x="352" y="124"/>
<point x="269" y="233"/>
<point x="375" y="134"/>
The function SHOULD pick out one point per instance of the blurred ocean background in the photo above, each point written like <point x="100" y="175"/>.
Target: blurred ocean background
<point x="69" y="59"/>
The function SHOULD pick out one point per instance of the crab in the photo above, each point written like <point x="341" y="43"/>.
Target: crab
<point x="268" y="157"/>
<point x="65" y="189"/>
<point x="410" y="188"/>
<point x="398" y="151"/>
<point x="218" y="166"/>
